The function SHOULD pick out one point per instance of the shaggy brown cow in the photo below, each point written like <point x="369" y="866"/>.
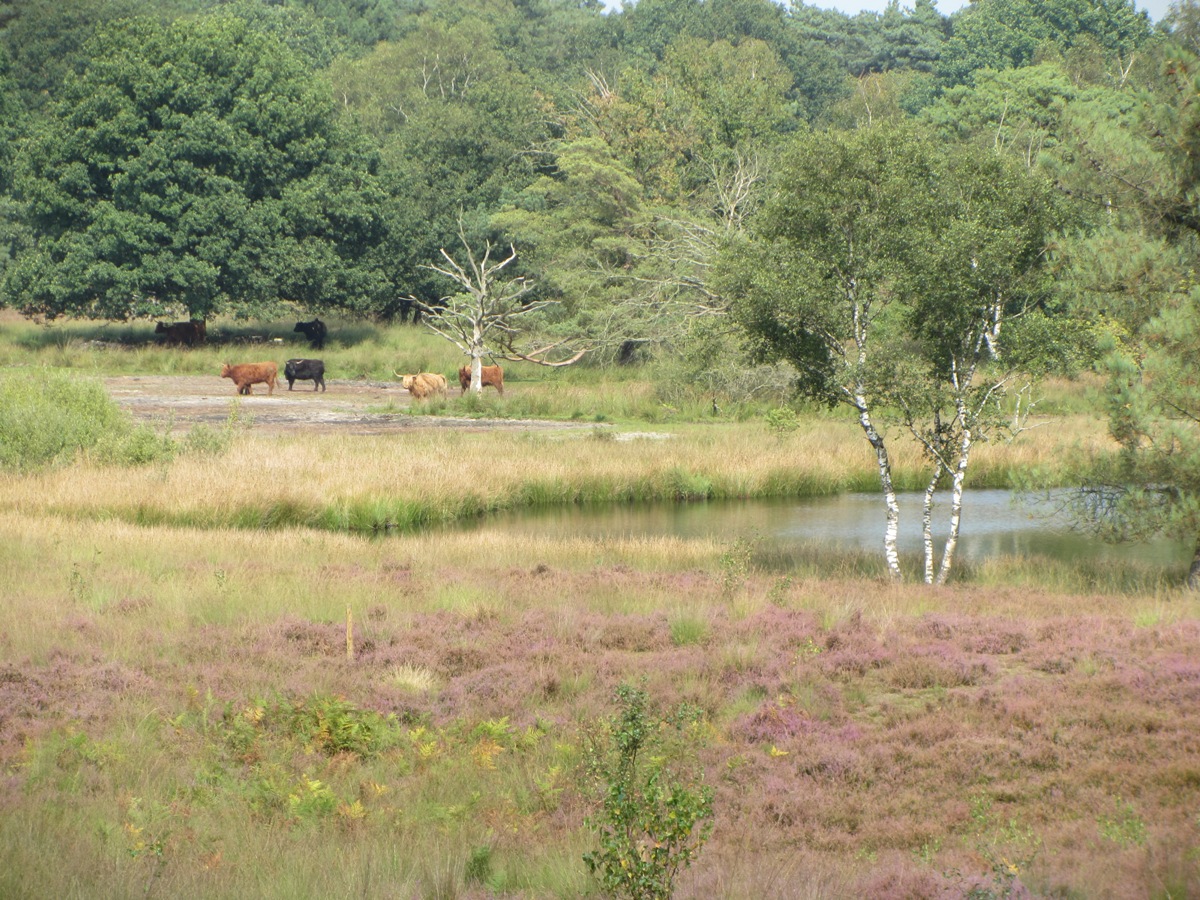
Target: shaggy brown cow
<point x="424" y="384"/>
<point x="491" y="376"/>
<point x="189" y="333"/>
<point x="247" y="374"/>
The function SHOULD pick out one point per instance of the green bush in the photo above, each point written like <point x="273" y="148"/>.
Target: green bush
<point x="782" y="421"/>
<point x="50" y="418"/>
<point x="650" y="821"/>
<point x="47" y="418"/>
<point x="204" y="440"/>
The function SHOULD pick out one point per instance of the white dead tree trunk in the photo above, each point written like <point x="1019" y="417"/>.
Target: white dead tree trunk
<point x="482" y="319"/>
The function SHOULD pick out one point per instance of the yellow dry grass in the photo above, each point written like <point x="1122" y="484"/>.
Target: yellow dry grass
<point x="496" y="469"/>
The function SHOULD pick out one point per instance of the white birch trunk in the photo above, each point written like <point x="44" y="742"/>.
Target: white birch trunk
<point x="892" y="529"/>
<point x="927" y="524"/>
<point x="956" y="493"/>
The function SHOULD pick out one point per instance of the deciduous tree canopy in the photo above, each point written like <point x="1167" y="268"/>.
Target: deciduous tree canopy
<point x="196" y="166"/>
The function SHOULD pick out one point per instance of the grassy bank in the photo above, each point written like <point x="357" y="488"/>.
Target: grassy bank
<point x="434" y="476"/>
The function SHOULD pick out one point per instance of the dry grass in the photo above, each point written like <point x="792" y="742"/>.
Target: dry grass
<point x="429" y="476"/>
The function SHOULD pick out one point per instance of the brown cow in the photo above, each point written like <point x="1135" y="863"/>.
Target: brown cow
<point x="247" y="374"/>
<point x="491" y="376"/>
<point x="424" y="384"/>
<point x="189" y="333"/>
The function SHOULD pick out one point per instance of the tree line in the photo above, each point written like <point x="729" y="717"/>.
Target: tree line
<point x="916" y="212"/>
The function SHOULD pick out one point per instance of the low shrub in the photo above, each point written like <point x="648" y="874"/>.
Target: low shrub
<point x="652" y="818"/>
<point x="48" y="418"/>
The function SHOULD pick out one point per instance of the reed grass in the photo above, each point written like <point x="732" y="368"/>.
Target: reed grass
<point x="374" y="484"/>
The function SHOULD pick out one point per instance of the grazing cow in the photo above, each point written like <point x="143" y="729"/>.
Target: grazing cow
<point x="189" y="333"/>
<point x="303" y="370"/>
<point x="315" y="331"/>
<point x="247" y="374"/>
<point x="424" y="384"/>
<point x="491" y="376"/>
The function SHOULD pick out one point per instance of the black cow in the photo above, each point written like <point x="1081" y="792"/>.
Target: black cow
<point x="315" y="331"/>
<point x="305" y="370"/>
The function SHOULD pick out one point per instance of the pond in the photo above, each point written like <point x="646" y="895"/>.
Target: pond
<point x="995" y="523"/>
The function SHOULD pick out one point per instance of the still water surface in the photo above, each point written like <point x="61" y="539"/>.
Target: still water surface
<point x="994" y="523"/>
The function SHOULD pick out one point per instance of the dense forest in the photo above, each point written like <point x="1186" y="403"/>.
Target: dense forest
<point x="905" y="208"/>
<point x="194" y="158"/>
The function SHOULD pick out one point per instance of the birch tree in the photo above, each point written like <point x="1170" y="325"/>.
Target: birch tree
<point x="887" y="270"/>
<point x="815" y="282"/>
<point x="973" y="297"/>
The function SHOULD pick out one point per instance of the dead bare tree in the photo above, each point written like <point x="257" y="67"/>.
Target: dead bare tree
<point x="483" y="318"/>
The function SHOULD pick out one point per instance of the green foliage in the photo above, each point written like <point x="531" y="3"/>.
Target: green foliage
<point x="478" y="869"/>
<point x="1018" y="110"/>
<point x="999" y="34"/>
<point x="1125" y="828"/>
<point x="311" y="799"/>
<point x="204" y="440"/>
<point x="332" y="725"/>
<point x="1009" y="848"/>
<point x="735" y="565"/>
<point x="651" y="821"/>
<point x="782" y="421"/>
<point x="191" y="169"/>
<point x="1153" y="484"/>
<point x="48" y="418"/>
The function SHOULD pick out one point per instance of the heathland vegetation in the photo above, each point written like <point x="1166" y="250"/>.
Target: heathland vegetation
<point x="222" y="677"/>
<point x="235" y="662"/>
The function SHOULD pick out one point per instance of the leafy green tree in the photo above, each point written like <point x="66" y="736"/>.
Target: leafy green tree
<point x="813" y="284"/>
<point x="1152" y="486"/>
<point x="643" y="32"/>
<point x="1136" y="276"/>
<point x="736" y="95"/>
<point x="46" y="41"/>
<point x="884" y="269"/>
<point x="999" y="34"/>
<point x="13" y="233"/>
<point x="653" y="815"/>
<point x="194" y="167"/>
<point x="975" y="307"/>
<point x="459" y="127"/>
<point x="1019" y="111"/>
<point x="580" y="228"/>
<point x="361" y="22"/>
<point x="314" y="39"/>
